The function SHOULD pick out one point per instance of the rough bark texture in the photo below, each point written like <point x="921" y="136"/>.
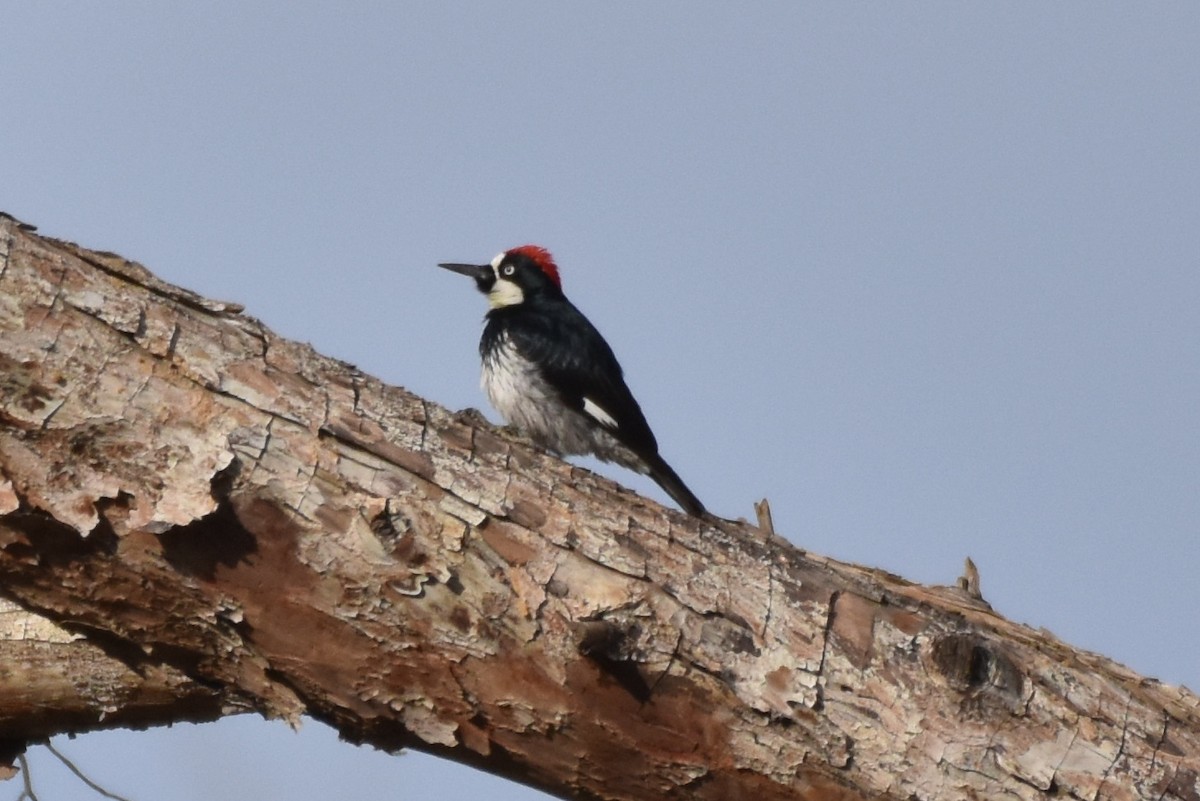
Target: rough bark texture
<point x="198" y="517"/>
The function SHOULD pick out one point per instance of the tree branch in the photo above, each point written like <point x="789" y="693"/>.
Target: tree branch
<point x="209" y="518"/>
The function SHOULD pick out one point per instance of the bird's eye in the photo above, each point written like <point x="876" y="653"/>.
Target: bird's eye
<point x="508" y="269"/>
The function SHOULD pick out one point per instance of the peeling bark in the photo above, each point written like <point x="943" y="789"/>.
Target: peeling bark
<point x="198" y="517"/>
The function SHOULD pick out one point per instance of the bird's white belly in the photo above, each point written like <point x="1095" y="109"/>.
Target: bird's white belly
<point x="524" y="399"/>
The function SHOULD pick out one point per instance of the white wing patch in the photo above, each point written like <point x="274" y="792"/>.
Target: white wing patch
<point x="592" y="410"/>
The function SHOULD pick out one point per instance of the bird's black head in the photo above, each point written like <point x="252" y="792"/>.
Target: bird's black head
<point x="514" y="276"/>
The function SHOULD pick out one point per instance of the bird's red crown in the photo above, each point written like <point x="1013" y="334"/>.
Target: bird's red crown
<point x="542" y="258"/>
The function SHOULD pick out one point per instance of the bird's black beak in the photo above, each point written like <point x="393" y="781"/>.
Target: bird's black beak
<point x="480" y="272"/>
<point x="484" y="275"/>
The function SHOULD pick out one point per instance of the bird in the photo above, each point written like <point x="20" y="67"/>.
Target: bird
<point x="549" y="372"/>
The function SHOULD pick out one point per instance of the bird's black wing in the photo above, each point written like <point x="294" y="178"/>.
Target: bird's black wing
<point x="580" y="365"/>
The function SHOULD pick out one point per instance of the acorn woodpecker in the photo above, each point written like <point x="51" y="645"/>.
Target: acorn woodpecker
<point x="547" y="371"/>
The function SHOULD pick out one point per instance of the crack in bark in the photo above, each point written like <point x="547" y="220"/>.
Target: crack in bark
<point x="471" y="458"/>
<point x="46" y="420"/>
<point x="1120" y="747"/>
<point x="819" y="685"/>
<point x="1017" y="777"/>
<point x="1053" y="782"/>
<point x="298" y="507"/>
<point x="226" y="393"/>
<point x="593" y="559"/>
<point x="268" y="433"/>
<point x="671" y="593"/>
<point x="141" y="388"/>
<point x="1162" y="738"/>
<point x="505" y="503"/>
<point x="59" y="272"/>
<point x="424" y="424"/>
<point x="328" y="407"/>
<point x="770" y="602"/>
<point x="4" y="257"/>
<point x="256" y="331"/>
<point x="173" y="342"/>
<point x="675" y="654"/>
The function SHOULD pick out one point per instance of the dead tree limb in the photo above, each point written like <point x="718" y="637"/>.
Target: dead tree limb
<point x="198" y="517"/>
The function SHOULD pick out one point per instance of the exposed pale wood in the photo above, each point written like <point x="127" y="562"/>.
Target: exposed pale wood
<point x="213" y="518"/>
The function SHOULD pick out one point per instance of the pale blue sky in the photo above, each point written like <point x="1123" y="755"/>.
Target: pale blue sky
<point x="924" y="275"/>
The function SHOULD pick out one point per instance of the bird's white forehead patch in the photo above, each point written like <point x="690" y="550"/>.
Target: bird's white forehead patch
<point x="496" y="261"/>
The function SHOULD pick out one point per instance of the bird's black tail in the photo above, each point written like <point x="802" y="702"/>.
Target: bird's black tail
<point x="673" y="485"/>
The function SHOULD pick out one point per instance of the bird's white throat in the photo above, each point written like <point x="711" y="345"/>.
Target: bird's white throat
<point x="505" y="293"/>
